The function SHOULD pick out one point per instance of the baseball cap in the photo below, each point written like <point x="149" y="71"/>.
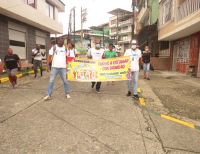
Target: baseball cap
<point x="134" y="42"/>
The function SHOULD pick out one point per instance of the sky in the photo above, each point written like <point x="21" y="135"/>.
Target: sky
<point x="97" y="11"/>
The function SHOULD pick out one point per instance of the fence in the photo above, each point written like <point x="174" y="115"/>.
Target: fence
<point x="186" y="8"/>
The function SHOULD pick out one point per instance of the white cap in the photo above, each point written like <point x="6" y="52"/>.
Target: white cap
<point x="133" y="42"/>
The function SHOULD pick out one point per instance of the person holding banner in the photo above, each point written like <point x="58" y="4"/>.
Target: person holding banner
<point x="96" y="54"/>
<point x="110" y="54"/>
<point x="135" y="55"/>
<point x="57" y="56"/>
<point x="71" y="52"/>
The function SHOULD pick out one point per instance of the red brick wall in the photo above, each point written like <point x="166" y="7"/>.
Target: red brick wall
<point x="161" y="63"/>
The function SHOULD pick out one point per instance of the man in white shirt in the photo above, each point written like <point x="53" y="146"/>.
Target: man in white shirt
<point x="37" y="59"/>
<point x="96" y="54"/>
<point x="135" y="55"/>
<point x="57" y="55"/>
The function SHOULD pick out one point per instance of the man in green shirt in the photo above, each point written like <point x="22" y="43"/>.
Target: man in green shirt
<point x="110" y="53"/>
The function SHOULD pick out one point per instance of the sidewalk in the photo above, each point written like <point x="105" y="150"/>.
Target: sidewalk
<point x="89" y="123"/>
<point x="174" y="94"/>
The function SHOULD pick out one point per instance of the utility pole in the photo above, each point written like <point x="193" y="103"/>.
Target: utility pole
<point x="117" y="27"/>
<point x="103" y="36"/>
<point x="81" y="27"/>
<point x="74" y="24"/>
<point x="72" y="12"/>
<point x="83" y="19"/>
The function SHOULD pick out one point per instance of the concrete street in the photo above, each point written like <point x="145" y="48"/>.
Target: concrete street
<point x="89" y="123"/>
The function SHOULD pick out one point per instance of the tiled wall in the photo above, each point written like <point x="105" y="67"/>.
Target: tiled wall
<point x="30" y="42"/>
<point x="4" y="40"/>
<point x="30" y="37"/>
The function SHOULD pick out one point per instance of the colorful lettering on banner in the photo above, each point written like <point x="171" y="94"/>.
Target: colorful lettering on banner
<point x="85" y="70"/>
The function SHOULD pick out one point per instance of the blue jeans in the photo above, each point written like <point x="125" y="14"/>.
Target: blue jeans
<point x="133" y="81"/>
<point x="54" y="73"/>
<point x="146" y="67"/>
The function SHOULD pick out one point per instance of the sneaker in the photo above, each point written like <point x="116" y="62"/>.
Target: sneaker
<point x="92" y="86"/>
<point x="46" y="98"/>
<point x="136" y="96"/>
<point x="98" y="91"/>
<point x="128" y="94"/>
<point x="68" y="96"/>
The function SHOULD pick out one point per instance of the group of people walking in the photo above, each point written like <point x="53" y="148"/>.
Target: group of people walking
<point x="57" y="63"/>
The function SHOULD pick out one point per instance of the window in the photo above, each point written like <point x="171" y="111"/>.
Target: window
<point x="50" y="11"/>
<point x="114" y="22"/>
<point x="31" y="3"/>
<point x="125" y="28"/>
<point x="164" y="49"/>
<point x="124" y="38"/>
<point x="113" y="30"/>
<point x="164" y="45"/>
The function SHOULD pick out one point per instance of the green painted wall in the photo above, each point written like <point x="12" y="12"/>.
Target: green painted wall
<point x="154" y="6"/>
<point x="106" y="31"/>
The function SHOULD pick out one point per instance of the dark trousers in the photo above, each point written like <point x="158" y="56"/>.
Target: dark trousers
<point x="98" y="85"/>
<point x="36" y="64"/>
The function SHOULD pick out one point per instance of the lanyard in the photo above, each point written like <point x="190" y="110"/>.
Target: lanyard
<point x="132" y="52"/>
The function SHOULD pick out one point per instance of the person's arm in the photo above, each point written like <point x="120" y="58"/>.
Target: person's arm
<point x="75" y="52"/>
<point x="4" y="63"/>
<point x="116" y="54"/>
<point x="50" y="57"/>
<point x="34" y="53"/>
<point x="126" y="53"/>
<point x="19" y="63"/>
<point x="104" y="55"/>
<point x="89" y="53"/>
<point x="140" y="58"/>
<point x="49" y="61"/>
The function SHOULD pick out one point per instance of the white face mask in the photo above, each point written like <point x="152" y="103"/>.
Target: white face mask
<point x="134" y="47"/>
<point x="98" y="46"/>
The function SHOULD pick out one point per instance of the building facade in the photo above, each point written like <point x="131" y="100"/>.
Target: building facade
<point x="121" y="28"/>
<point x="146" y="24"/>
<point x="179" y="26"/>
<point x="25" y="23"/>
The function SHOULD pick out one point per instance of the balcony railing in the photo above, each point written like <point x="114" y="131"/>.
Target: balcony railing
<point x="130" y="21"/>
<point x="186" y="8"/>
<point x="113" y="33"/>
<point x="113" y="25"/>
<point x="128" y="40"/>
<point x="125" y="31"/>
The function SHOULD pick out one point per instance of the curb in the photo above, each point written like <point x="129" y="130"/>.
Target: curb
<point x="5" y="79"/>
<point x="184" y="123"/>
